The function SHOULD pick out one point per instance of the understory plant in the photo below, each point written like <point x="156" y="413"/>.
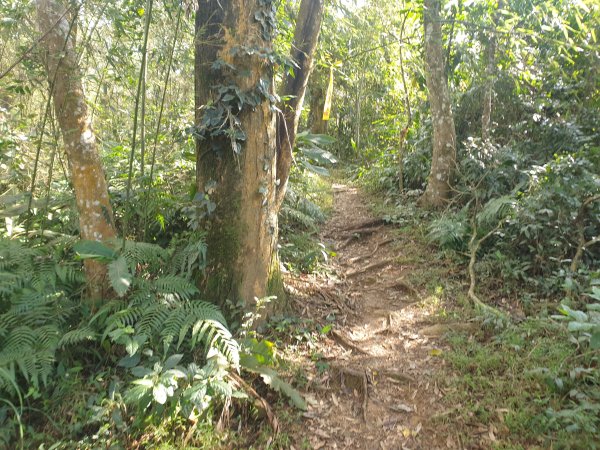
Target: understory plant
<point x="155" y="355"/>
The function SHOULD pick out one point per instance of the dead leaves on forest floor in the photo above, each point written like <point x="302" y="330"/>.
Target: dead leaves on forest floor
<point x="379" y="390"/>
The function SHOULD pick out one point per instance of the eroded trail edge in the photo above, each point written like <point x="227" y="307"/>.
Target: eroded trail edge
<point x="376" y="387"/>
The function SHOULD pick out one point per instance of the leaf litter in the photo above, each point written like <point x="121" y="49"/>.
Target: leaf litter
<point x="380" y="390"/>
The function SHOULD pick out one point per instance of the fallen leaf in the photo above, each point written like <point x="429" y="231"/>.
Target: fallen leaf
<point x="401" y="407"/>
<point x="406" y="432"/>
<point x="418" y="428"/>
<point x="435" y="352"/>
<point x="322" y="434"/>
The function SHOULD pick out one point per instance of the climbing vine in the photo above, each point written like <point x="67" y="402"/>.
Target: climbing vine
<point x="220" y="119"/>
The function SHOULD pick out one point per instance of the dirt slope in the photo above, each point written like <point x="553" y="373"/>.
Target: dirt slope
<point x="379" y="389"/>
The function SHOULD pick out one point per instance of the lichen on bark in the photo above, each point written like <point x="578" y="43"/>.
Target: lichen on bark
<point x="443" y="160"/>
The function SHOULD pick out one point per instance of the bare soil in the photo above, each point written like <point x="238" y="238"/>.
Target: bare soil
<point x="378" y="388"/>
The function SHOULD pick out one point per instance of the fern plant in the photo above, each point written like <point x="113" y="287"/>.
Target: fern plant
<point x="158" y="305"/>
<point x="298" y="211"/>
<point x="450" y="232"/>
<point x="173" y="351"/>
<point x="35" y="310"/>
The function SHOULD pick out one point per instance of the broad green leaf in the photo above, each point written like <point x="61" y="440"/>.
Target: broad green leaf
<point x="94" y="250"/>
<point x="141" y="371"/>
<point x="315" y="139"/>
<point x="172" y="361"/>
<point x="595" y="340"/>
<point x="316" y="169"/>
<point x="160" y="393"/>
<point x="119" y="276"/>
<point x="174" y="373"/>
<point x="271" y="377"/>
<point x="580" y="326"/>
<point x="579" y="316"/>
<point x="146" y="382"/>
<point x="129" y="361"/>
<point x="320" y="156"/>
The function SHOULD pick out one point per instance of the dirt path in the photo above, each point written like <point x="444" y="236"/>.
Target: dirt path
<point x="377" y="388"/>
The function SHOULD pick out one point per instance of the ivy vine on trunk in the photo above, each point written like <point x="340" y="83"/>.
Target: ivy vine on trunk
<point x="236" y="145"/>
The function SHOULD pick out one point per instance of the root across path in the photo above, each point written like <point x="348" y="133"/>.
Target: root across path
<point x="376" y="387"/>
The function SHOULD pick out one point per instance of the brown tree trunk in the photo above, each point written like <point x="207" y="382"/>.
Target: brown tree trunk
<point x="306" y="36"/>
<point x="91" y="192"/>
<point x="408" y="111"/>
<point x="236" y="146"/>
<point x="443" y="159"/>
<point x="317" y="107"/>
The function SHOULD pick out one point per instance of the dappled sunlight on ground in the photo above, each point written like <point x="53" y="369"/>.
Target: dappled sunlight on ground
<point x="379" y="389"/>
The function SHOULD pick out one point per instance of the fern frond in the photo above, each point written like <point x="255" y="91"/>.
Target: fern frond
<point x="44" y="275"/>
<point x="450" y="232"/>
<point x="154" y="318"/>
<point x="77" y="336"/>
<point x="144" y="253"/>
<point x="190" y="258"/>
<point x="496" y="209"/>
<point x="173" y="284"/>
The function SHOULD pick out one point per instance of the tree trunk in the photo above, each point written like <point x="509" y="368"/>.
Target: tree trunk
<point x="443" y="159"/>
<point x="317" y="107"/>
<point x="236" y="146"/>
<point x="91" y="192"/>
<point x="408" y="111"/>
<point x="490" y="73"/>
<point x="306" y="36"/>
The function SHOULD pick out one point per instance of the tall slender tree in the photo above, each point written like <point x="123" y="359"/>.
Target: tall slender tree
<point x="306" y="37"/>
<point x="87" y="174"/>
<point x="443" y="159"/>
<point x="236" y="144"/>
<point x="490" y="74"/>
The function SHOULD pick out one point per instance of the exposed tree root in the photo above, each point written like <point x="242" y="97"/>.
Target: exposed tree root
<point x="375" y="265"/>
<point x="333" y="299"/>
<point x="361" y="232"/>
<point x="377" y="246"/>
<point x="345" y="342"/>
<point x="355" y="380"/>
<point x="357" y="234"/>
<point x="398" y="376"/>
<point x="405" y="285"/>
<point x="368" y="224"/>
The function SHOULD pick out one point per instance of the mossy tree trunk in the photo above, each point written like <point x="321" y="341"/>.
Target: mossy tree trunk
<point x="87" y="174"/>
<point x="443" y="161"/>
<point x="306" y="36"/>
<point x="236" y="146"/>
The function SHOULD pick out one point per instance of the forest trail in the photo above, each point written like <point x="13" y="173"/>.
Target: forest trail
<point x="377" y="385"/>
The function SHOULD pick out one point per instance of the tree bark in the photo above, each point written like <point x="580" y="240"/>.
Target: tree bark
<point x="236" y="146"/>
<point x="87" y="174"/>
<point x="490" y="73"/>
<point x="443" y="159"/>
<point x="317" y="107"/>
<point x="306" y="36"/>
